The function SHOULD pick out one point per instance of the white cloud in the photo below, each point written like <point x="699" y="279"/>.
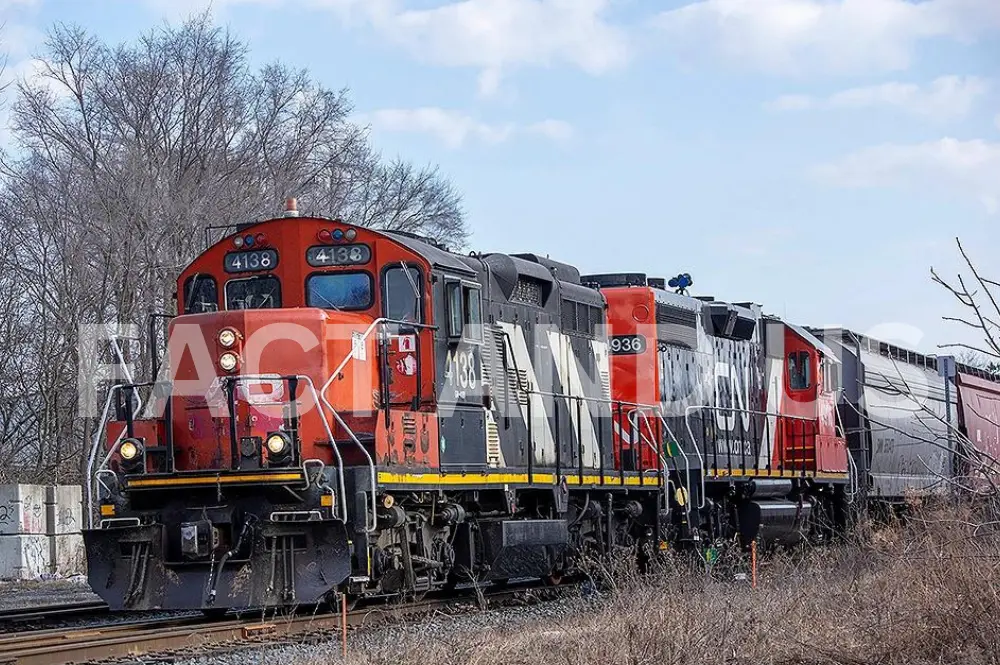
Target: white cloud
<point x="944" y="98"/>
<point x="557" y="130"/>
<point x="493" y="36"/>
<point x="833" y="36"/>
<point x="966" y="168"/>
<point x="497" y="33"/>
<point x="489" y="82"/>
<point x="456" y="128"/>
<point x="791" y="103"/>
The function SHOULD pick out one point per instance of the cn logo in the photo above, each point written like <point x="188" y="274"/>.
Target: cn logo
<point x="730" y="397"/>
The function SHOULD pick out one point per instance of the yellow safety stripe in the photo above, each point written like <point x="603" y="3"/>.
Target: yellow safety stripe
<point x="500" y="478"/>
<point x="175" y="481"/>
<point x="773" y="473"/>
<point x="392" y="478"/>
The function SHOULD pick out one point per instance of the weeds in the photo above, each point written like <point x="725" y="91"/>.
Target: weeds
<point x="927" y="591"/>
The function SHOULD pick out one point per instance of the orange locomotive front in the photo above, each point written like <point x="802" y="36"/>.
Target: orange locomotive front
<point x="268" y="395"/>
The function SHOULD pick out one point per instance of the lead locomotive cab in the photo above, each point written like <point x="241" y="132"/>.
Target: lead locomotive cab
<point x="302" y="352"/>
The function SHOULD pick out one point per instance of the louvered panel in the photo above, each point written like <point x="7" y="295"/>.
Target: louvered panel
<point x="492" y="443"/>
<point x="487" y="355"/>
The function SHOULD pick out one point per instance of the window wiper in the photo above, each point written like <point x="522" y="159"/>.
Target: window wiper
<point x="324" y="299"/>
<point x="413" y="282"/>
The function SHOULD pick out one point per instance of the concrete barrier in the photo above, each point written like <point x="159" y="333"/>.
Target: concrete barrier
<point x="40" y="531"/>
<point x="22" y="510"/>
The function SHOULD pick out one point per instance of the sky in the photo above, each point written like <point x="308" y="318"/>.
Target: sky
<point x="815" y="156"/>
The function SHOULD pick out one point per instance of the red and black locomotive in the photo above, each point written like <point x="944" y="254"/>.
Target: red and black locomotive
<point x="345" y="410"/>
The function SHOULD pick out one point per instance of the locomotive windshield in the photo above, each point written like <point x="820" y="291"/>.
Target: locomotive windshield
<point x="262" y="292"/>
<point x="339" y="290"/>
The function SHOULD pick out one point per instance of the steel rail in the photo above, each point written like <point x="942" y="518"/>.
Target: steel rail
<point x="47" y="611"/>
<point x="169" y="635"/>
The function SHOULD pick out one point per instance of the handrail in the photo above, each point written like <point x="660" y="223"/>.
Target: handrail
<point x="687" y="423"/>
<point x="326" y="426"/>
<point x="377" y="322"/>
<point x="663" y="462"/>
<point x="855" y="481"/>
<point x="854" y="484"/>
<point x="322" y="396"/>
<point x="92" y="476"/>
<point x="94" y="446"/>
<point x="96" y="442"/>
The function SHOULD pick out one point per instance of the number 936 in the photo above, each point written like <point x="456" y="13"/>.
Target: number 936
<point x="627" y="344"/>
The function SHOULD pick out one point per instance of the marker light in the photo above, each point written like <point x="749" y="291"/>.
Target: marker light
<point x="238" y="241"/>
<point x="338" y="234"/>
<point x="276" y="444"/>
<point x="129" y="449"/>
<point x="227" y="361"/>
<point x="248" y="240"/>
<point x="324" y="236"/>
<point x="227" y="338"/>
<point x="350" y="234"/>
<point x="260" y="239"/>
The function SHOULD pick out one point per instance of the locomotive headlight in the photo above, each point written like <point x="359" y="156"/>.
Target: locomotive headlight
<point x="129" y="449"/>
<point x="228" y="361"/>
<point x="276" y="444"/>
<point x="227" y="338"/>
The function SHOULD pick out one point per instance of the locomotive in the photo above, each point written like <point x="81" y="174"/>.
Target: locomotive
<point x="348" y="411"/>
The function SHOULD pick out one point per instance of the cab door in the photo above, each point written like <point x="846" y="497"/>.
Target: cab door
<point x="461" y="407"/>
<point x="408" y="343"/>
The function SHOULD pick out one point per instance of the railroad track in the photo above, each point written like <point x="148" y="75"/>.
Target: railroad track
<point x="21" y="615"/>
<point x="190" y="634"/>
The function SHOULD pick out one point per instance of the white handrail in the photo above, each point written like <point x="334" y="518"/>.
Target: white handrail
<point x="369" y="528"/>
<point x="701" y="459"/>
<point x="93" y="478"/>
<point x="705" y="407"/>
<point x="663" y="462"/>
<point x="326" y="426"/>
<point x="92" y="458"/>
<point x="854" y="480"/>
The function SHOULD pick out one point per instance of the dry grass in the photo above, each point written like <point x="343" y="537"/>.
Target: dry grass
<point x="924" y="592"/>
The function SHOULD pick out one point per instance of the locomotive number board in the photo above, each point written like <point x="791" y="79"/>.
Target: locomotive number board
<point x="338" y="255"/>
<point x="623" y="345"/>
<point x="251" y="261"/>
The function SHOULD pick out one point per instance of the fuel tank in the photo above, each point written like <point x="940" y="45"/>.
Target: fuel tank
<point x="776" y="521"/>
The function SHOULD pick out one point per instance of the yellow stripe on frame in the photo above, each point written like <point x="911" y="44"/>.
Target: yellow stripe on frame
<point x="736" y="473"/>
<point x="392" y="478"/>
<point x="177" y="481"/>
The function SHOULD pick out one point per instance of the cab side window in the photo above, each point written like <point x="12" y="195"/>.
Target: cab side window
<point x="799" y="370"/>
<point x="465" y="311"/>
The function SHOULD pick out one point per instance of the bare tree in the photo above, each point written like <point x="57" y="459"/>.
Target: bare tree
<point x="123" y="156"/>
<point x="979" y="297"/>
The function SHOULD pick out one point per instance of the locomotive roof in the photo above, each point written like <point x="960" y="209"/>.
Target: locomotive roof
<point x="504" y="269"/>
<point x="434" y="255"/>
